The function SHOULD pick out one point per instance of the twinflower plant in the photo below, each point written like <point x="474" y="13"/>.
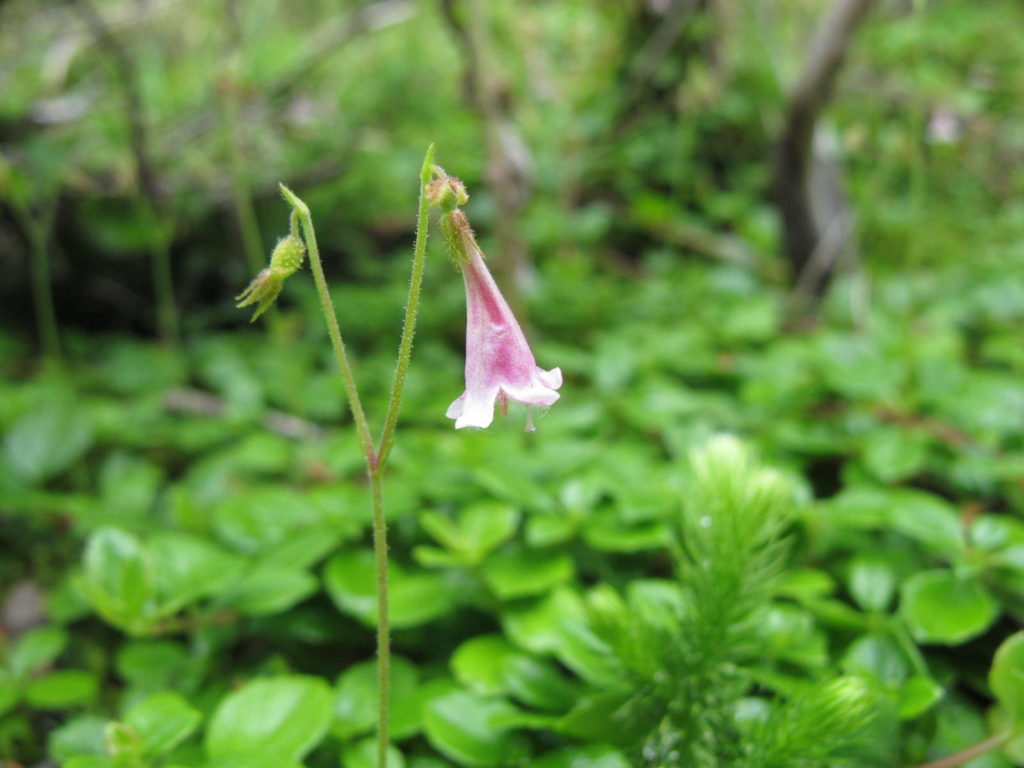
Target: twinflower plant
<point x="499" y="363"/>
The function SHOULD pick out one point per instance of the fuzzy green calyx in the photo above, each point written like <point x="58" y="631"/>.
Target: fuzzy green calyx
<point x="285" y="261"/>
<point x="288" y="255"/>
<point x="446" y="192"/>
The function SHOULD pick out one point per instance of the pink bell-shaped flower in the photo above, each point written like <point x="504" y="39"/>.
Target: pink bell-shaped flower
<point x="499" y="363"/>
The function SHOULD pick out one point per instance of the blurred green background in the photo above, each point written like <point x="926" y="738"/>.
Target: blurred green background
<point x="183" y="509"/>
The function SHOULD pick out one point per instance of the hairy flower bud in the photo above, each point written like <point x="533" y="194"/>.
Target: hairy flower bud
<point x="285" y="261"/>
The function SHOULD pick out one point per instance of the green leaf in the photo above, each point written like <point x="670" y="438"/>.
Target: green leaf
<point x="82" y="735"/>
<point x="415" y="598"/>
<point x="893" y="453"/>
<point x="128" y="486"/>
<point x="462" y="725"/>
<point x="270" y="721"/>
<point x="37" y="649"/>
<point x="63" y="689"/>
<point x="479" y="663"/>
<point x="363" y="754"/>
<point x="10" y="690"/>
<point x="90" y="761"/>
<point x="539" y="626"/>
<point x="604" y="717"/>
<point x="940" y="607"/>
<point x="918" y="695"/>
<point x="188" y="568"/>
<point x="152" y="665"/>
<point x="119" y="578"/>
<point x="268" y="589"/>
<point x="589" y="756"/>
<point x="45" y="442"/>
<point x="162" y="721"/>
<point x="928" y="519"/>
<point x="304" y="547"/>
<point x="519" y="572"/>
<point x="264" y="517"/>
<point x="872" y="582"/>
<point x="805" y="584"/>
<point x="538" y="683"/>
<point x="1007" y="677"/>
<point x="478" y="530"/>
<point x="355" y="700"/>
<point x="877" y="657"/>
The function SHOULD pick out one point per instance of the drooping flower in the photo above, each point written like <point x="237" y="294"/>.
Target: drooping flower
<point x="285" y="261"/>
<point x="499" y="363"/>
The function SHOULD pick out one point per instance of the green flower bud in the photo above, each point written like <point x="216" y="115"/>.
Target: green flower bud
<point x="288" y="256"/>
<point x="286" y="260"/>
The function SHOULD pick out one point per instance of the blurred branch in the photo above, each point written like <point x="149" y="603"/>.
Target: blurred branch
<point x="198" y="403"/>
<point x="138" y="136"/>
<point x="366" y="18"/>
<point x="805" y="222"/>
<point x="508" y="169"/>
<point x="158" y="231"/>
<point x="658" y="45"/>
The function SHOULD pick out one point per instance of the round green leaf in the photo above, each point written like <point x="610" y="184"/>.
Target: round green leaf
<point x="45" y="442"/>
<point x="162" y="721"/>
<point x="271" y="721"/>
<point x="119" y="578"/>
<point x="82" y="735"/>
<point x="918" y="695"/>
<point x="940" y="607"/>
<point x="355" y="700"/>
<point x="1007" y="677"/>
<point x="37" y="649"/>
<point x="463" y="726"/>
<point x="9" y="690"/>
<point x="63" y="689"/>
<point x="363" y="754"/>
<point x="152" y="665"/>
<point x="415" y="597"/>
<point x="872" y="582"/>
<point x="268" y="590"/>
<point x="590" y="756"/>
<point x="188" y="568"/>
<point x="479" y="663"/>
<point x="518" y="572"/>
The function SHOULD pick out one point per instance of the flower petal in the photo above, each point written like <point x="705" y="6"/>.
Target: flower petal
<point x="475" y="408"/>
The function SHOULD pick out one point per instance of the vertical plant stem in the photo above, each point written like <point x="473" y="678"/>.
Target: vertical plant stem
<point x="241" y="193"/>
<point x="148" y="186"/>
<point x="163" y="286"/>
<point x="327" y="306"/>
<point x="419" y="260"/>
<point x="380" y="549"/>
<point x="42" y="294"/>
<point x="38" y="234"/>
<point x="230" y="110"/>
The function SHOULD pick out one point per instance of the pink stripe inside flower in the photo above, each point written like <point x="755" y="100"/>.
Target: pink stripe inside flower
<point x="499" y="363"/>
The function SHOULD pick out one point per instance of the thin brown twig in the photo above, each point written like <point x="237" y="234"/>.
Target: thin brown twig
<point x="959" y="758"/>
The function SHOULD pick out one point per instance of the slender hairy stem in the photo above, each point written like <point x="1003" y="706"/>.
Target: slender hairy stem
<point x="358" y="415"/>
<point x="419" y="260"/>
<point x="380" y="549"/>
